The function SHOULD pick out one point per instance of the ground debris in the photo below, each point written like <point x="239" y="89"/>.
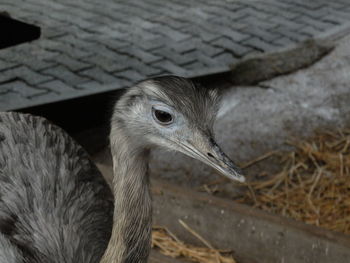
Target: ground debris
<point x="170" y="245"/>
<point x="313" y="185"/>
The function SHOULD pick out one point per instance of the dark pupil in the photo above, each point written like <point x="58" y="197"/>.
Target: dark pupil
<point x="163" y="116"/>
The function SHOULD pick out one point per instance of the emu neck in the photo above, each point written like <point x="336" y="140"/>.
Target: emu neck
<point x="132" y="220"/>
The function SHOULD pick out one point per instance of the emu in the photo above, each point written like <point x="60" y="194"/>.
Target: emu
<point x="55" y="205"/>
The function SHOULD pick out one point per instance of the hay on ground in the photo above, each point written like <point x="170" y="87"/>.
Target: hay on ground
<point x="170" y="245"/>
<point x="314" y="184"/>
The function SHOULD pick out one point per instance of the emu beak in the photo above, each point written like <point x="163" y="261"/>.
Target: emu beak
<point x="210" y="153"/>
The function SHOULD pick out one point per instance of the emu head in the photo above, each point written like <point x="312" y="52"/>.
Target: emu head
<point x="173" y="113"/>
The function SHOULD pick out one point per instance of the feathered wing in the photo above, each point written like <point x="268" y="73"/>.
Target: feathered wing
<point x="54" y="204"/>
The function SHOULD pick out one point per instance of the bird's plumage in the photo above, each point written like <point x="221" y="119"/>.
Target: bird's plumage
<point x="54" y="204"/>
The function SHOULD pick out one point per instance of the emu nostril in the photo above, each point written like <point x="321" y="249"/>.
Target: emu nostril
<point x="210" y="155"/>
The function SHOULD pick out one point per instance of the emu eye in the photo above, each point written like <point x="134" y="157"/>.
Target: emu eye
<point x="162" y="117"/>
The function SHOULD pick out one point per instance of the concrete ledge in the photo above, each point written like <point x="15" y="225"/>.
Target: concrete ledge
<point x="253" y="235"/>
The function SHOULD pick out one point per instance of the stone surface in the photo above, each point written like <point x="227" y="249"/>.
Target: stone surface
<point x="86" y="44"/>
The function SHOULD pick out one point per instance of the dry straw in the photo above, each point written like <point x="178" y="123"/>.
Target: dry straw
<point x="170" y="245"/>
<point x="314" y="184"/>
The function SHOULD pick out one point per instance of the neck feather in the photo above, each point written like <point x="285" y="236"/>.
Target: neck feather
<point x="132" y="221"/>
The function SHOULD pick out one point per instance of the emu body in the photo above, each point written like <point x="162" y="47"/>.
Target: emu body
<point x="55" y="205"/>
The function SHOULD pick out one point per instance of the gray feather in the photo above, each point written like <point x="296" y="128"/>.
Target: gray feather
<point x="54" y="204"/>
